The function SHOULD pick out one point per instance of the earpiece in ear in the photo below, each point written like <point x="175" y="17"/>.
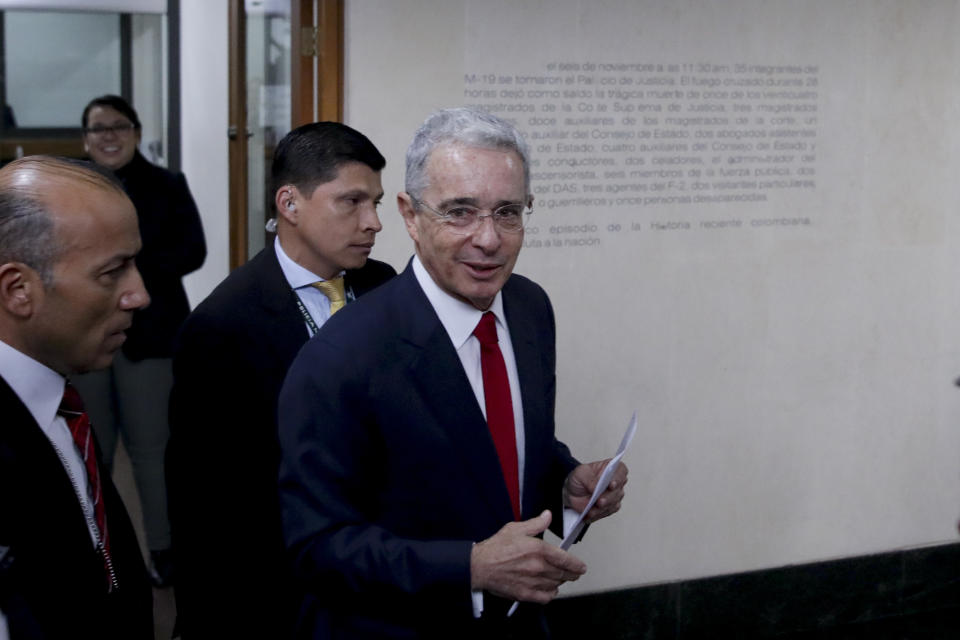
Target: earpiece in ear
<point x="289" y="206"/>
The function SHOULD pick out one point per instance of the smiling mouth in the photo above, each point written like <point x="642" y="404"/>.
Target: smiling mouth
<point x="481" y="269"/>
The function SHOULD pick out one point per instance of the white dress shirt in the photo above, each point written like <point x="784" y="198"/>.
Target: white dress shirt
<point x="301" y="280"/>
<point x="460" y="319"/>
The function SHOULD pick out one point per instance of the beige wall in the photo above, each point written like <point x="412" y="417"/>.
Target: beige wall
<point x="795" y="383"/>
<point x="204" y="102"/>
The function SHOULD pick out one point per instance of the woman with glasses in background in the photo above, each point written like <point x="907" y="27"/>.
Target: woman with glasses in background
<point x="130" y="398"/>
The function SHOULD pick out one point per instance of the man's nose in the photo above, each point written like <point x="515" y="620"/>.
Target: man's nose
<point x="486" y="235"/>
<point x="371" y="220"/>
<point x="136" y="296"/>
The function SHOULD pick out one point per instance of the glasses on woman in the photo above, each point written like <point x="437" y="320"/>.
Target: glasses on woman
<point x="464" y="218"/>
<point x="116" y="129"/>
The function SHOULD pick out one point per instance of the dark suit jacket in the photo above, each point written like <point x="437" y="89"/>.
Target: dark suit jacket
<point x="389" y="473"/>
<point x="173" y="246"/>
<point x="52" y="581"/>
<point x="223" y="456"/>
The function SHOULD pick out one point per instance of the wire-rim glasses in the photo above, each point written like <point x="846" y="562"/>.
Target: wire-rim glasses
<point x="465" y="218"/>
<point x="117" y="129"/>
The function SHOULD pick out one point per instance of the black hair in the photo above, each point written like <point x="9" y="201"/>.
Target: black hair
<point x="312" y="154"/>
<point x="114" y="102"/>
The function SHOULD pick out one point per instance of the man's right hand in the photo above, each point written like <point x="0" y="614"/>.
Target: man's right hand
<point x="514" y="564"/>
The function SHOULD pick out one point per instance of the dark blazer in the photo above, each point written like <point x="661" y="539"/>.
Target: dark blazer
<point x="173" y="246"/>
<point x="52" y="581"/>
<point x="389" y="473"/>
<point x="223" y="456"/>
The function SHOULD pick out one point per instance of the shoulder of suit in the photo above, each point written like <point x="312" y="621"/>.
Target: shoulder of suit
<point x="146" y="172"/>
<point x="16" y="415"/>
<point x="381" y="267"/>
<point x="241" y="285"/>
<point x="373" y="271"/>
<point x="524" y="285"/>
<point x="386" y="297"/>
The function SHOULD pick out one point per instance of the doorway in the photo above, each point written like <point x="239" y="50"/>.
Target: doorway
<point x="286" y="69"/>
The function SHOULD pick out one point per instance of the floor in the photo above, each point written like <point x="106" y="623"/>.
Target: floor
<point x="164" y="608"/>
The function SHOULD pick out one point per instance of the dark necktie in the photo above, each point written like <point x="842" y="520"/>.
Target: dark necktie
<point x="496" y="395"/>
<point x="71" y="408"/>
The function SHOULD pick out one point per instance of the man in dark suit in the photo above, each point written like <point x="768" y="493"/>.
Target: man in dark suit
<point x="69" y="561"/>
<point x="233" y="354"/>
<point x="130" y="398"/>
<point x="419" y="458"/>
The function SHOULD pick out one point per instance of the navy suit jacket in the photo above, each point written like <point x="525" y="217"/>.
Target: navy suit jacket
<point x="388" y="472"/>
<point x="222" y="459"/>
<point x="52" y="580"/>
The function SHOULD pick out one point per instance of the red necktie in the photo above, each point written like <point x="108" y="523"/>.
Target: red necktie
<point x="496" y="395"/>
<point x="71" y="408"/>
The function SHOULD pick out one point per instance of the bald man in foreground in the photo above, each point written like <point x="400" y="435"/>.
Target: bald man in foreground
<point x="69" y="561"/>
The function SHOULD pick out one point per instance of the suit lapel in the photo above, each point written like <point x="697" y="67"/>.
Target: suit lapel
<point x="437" y="372"/>
<point x="23" y="441"/>
<point x="276" y="297"/>
<point x="361" y="280"/>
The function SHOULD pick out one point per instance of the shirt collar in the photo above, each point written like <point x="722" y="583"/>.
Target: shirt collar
<point x="296" y="275"/>
<point x="456" y="316"/>
<point x="39" y="387"/>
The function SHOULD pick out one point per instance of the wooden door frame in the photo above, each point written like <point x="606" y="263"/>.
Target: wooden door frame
<point x="330" y="60"/>
<point x="236" y="133"/>
<point x="316" y="92"/>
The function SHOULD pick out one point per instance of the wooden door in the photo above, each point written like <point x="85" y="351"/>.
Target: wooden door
<point x="286" y="69"/>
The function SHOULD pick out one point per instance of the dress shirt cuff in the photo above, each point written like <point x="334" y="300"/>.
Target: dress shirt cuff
<point x="569" y="519"/>
<point x="476" y="598"/>
<point x="476" y="595"/>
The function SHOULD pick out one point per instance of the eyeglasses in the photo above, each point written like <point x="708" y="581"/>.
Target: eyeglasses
<point x="463" y="218"/>
<point x="117" y="129"/>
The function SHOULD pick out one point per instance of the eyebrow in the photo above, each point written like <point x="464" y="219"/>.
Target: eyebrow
<point x="358" y="193"/>
<point x="112" y="124"/>
<point x="472" y="202"/>
<point x="116" y="260"/>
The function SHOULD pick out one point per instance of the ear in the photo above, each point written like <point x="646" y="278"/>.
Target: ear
<point x="409" y="213"/>
<point x="285" y="201"/>
<point x="20" y="287"/>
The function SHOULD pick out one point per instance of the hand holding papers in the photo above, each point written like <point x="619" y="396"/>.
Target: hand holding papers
<point x="574" y="530"/>
<point x="608" y="472"/>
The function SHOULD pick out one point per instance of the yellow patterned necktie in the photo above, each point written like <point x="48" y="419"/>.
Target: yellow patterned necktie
<point x="334" y="290"/>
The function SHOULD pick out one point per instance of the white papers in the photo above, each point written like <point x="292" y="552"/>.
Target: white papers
<point x="602" y="485"/>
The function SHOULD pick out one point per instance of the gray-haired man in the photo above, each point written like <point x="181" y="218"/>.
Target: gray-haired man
<point x="419" y="459"/>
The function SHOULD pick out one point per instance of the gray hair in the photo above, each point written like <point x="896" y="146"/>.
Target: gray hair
<point x="469" y="127"/>
<point x="27" y="231"/>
